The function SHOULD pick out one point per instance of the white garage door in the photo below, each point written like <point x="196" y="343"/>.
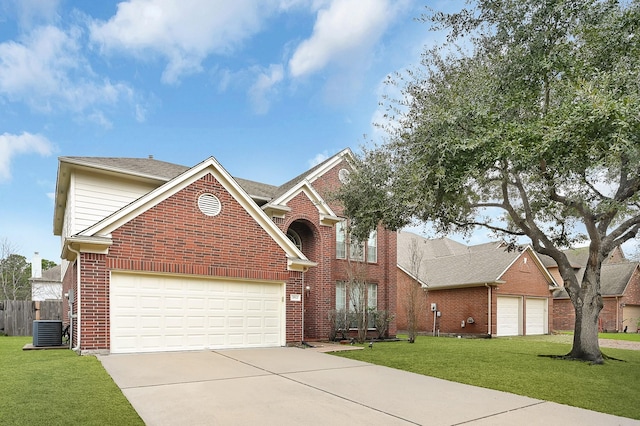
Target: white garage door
<point x="161" y="313"/>
<point x="631" y="316"/>
<point x="508" y="316"/>
<point x="536" y="317"/>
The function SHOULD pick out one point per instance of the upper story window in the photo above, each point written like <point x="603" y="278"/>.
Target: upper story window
<point x="357" y="250"/>
<point x="372" y="247"/>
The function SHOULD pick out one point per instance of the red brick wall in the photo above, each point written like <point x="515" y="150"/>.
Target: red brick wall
<point x="94" y="296"/>
<point x="564" y="316"/>
<point x="174" y="236"/>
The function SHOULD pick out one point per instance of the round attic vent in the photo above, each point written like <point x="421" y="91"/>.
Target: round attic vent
<point x="209" y="204"/>
<point x="343" y="175"/>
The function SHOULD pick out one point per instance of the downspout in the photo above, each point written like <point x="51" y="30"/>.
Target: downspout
<point x="617" y="313"/>
<point x="488" y="308"/>
<point x="304" y="295"/>
<point x="77" y="298"/>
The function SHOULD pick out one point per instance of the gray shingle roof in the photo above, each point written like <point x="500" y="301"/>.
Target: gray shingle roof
<point x="162" y="170"/>
<point x="614" y="278"/>
<point x="446" y="263"/>
<point x="137" y="166"/>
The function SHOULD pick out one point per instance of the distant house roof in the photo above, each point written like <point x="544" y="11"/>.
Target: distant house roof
<point x="51" y="275"/>
<point x="444" y="263"/>
<point x="614" y="278"/>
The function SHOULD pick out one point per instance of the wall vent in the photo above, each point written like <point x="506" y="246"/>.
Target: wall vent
<point x="47" y="333"/>
<point x="209" y="204"/>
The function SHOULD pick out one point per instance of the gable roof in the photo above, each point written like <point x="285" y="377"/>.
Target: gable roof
<point x="614" y="279"/>
<point x="97" y="237"/>
<point x="447" y="264"/>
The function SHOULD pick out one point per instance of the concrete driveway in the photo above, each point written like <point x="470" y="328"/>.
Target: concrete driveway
<point x="292" y="386"/>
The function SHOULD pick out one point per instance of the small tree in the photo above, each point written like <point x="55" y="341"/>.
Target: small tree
<point x="414" y="292"/>
<point x="14" y="273"/>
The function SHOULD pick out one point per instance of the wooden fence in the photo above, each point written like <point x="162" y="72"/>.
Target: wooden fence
<point x="17" y="316"/>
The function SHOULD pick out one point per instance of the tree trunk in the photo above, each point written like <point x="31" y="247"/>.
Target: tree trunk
<point x="588" y="304"/>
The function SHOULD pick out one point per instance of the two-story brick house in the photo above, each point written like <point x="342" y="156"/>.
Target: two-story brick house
<point x="161" y="257"/>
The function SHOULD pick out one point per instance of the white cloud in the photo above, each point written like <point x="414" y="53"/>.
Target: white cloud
<point x="33" y="12"/>
<point x="47" y="71"/>
<point x="344" y="33"/>
<point x="26" y="143"/>
<point x="319" y="158"/>
<point x="183" y="32"/>
<point x="264" y="87"/>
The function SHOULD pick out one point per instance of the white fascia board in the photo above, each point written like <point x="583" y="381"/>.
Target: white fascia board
<point x="156" y="196"/>
<point x="329" y="164"/>
<point x="413" y="277"/>
<point x="276" y="210"/>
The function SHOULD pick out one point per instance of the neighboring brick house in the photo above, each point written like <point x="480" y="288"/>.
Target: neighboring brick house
<point x="161" y="257"/>
<point x="475" y="290"/>
<point x="619" y="286"/>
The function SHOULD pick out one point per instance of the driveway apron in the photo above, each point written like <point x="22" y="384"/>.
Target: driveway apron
<point x="293" y="386"/>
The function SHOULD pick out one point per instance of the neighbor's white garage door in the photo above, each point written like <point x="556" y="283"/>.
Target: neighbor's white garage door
<point x="161" y="313"/>
<point x="536" y="316"/>
<point x="508" y="316"/>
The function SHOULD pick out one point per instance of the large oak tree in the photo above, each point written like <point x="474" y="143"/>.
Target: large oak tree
<point x="526" y="121"/>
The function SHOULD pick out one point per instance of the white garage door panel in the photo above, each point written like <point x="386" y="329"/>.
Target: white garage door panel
<point x="157" y="313"/>
<point x="536" y="316"/>
<point x="508" y="316"/>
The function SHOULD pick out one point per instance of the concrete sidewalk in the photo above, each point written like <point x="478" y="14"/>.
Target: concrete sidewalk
<point x="292" y="386"/>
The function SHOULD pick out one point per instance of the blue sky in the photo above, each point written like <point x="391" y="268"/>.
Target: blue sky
<point x="268" y="87"/>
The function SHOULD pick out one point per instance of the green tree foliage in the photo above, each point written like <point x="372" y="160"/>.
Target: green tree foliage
<point x="526" y="121"/>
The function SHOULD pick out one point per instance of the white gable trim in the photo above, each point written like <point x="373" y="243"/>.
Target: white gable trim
<point x="104" y="228"/>
<point x="334" y="161"/>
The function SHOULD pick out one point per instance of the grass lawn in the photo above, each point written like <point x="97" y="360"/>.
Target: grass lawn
<point x="58" y="387"/>
<point x="632" y="337"/>
<point x="514" y="365"/>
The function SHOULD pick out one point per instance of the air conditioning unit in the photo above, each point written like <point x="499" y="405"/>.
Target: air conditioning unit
<point x="47" y="333"/>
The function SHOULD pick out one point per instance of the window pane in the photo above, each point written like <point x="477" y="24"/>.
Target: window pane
<point x="341" y="296"/>
<point x="372" y="304"/>
<point x="356" y="251"/>
<point x="341" y="241"/>
<point x="372" y="247"/>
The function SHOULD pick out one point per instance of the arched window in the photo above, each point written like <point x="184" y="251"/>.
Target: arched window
<point x="295" y="238"/>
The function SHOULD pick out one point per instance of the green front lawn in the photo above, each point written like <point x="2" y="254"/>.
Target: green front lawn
<point x="632" y="337"/>
<point x="58" y="387"/>
<point x="514" y="365"/>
